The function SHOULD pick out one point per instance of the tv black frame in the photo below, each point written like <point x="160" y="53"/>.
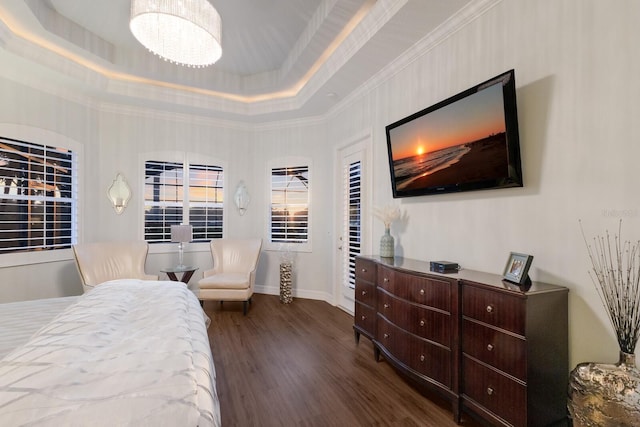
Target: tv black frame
<point x="514" y="176"/>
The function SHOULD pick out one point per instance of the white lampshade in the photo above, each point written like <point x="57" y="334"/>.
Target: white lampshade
<point x="186" y="32"/>
<point x="181" y="233"/>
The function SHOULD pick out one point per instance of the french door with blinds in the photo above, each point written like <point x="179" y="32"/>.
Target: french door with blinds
<point x="351" y="221"/>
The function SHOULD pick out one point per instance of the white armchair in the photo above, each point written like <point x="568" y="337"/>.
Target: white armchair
<point x="104" y="261"/>
<point x="233" y="275"/>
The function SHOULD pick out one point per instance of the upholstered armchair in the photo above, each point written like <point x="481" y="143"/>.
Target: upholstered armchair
<point x="233" y="275"/>
<point x="104" y="261"/>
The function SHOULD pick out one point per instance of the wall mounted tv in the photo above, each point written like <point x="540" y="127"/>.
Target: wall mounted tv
<point x="467" y="142"/>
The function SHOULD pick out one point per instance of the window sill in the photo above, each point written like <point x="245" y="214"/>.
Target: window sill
<point x="19" y="259"/>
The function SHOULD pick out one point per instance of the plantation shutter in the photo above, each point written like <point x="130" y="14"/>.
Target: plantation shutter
<point x="170" y="188"/>
<point x="163" y="199"/>
<point x="290" y="204"/>
<point x="352" y="227"/>
<point x="38" y="204"/>
<point x="206" y="201"/>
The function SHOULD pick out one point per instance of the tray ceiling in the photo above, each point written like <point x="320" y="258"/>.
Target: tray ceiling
<point x="282" y="59"/>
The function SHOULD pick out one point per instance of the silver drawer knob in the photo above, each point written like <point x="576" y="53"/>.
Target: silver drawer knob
<point x="385" y="280"/>
<point x="489" y="347"/>
<point x="422" y="323"/>
<point x="422" y="357"/>
<point x="364" y="317"/>
<point x="421" y="291"/>
<point x="386" y="305"/>
<point x="364" y="270"/>
<point x="489" y="309"/>
<point x="386" y="335"/>
<point x="489" y="391"/>
<point x="364" y="293"/>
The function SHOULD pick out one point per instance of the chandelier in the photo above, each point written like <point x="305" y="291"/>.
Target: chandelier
<point x="185" y="32"/>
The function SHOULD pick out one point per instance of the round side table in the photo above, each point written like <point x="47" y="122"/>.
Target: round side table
<point x="187" y="271"/>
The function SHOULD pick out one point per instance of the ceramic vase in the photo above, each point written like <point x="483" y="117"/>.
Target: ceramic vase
<point x="386" y="244"/>
<point x="604" y="395"/>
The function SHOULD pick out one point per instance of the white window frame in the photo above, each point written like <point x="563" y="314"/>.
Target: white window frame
<point x="293" y="247"/>
<point x="48" y="138"/>
<point x="185" y="159"/>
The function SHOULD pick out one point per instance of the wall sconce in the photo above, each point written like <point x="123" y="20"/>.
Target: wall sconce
<point x="181" y="234"/>
<point x="242" y="198"/>
<point x="119" y="193"/>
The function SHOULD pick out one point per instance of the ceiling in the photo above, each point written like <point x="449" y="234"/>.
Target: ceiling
<point x="282" y="59"/>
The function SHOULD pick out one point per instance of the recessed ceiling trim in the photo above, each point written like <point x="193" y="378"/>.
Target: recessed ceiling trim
<point x="25" y="34"/>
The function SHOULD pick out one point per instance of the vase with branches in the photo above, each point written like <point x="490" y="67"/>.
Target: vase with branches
<point x="604" y="394"/>
<point x="387" y="215"/>
<point x="616" y="274"/>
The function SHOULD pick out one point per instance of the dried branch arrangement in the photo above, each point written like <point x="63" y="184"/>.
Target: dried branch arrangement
<point x="387" y="214"/>
<point x="616" y="274"/>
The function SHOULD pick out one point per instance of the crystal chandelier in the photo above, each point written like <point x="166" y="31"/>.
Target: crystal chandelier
<point x="185" y="32"/>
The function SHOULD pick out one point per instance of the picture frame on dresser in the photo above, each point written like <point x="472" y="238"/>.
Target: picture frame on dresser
<point x="517" y="268"/>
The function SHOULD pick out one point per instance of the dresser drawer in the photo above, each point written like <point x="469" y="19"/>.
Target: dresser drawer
<point x="365" y="270"/>
<point x="365" y="318"/>
<point x="425" y="322"/>
<point x="494" y="308"/>
<point x="426" y="358"/>
<point x="385" y="278"/>
<point x="365" y="293"/>
<point x="499" y="394"/>
<point x="505" y="352"/>
<point x="421" y="290"/>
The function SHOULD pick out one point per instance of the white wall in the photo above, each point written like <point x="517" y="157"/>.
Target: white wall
<point x="577" y="73"/>
<point x="577" y="68"/>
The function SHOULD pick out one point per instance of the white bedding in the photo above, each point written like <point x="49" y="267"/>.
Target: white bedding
<point x="20" y="320"/>
<point x="128" y="353"/>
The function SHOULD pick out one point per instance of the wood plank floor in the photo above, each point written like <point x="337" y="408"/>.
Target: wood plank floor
<point x="298" y="365"/>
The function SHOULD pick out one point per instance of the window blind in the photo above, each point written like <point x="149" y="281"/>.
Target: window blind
<point x="353" y="226"/>
<point x="290" y="204"/>
<point x="206" y="201"/>
<point x="171" y="189"/>
<point x="163" y="196"/>
<point x="38" y="204"/>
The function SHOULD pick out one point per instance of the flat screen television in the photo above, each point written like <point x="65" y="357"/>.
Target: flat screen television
<point x="466" y="142"/>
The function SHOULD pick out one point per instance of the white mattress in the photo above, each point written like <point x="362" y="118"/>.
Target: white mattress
<point x="20" y="320"/>
<point x="127" y="353"/>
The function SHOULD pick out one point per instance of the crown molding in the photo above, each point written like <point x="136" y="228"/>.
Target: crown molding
<point x="472" y="11"/>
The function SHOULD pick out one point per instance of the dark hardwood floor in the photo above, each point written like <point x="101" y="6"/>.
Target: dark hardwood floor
<point x="298" y="365"/>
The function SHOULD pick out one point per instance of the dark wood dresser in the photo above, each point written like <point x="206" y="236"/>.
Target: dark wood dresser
<point x="492" y="348"/>
<point x="365" y="309"/>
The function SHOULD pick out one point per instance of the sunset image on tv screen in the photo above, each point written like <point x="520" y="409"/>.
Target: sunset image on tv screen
<point x="462" y="142"/>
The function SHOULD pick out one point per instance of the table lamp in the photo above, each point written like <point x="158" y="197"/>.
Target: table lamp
<point x="181" y="234"/>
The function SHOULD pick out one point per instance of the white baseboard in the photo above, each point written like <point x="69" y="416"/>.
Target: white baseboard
<point x="297" y="293"/>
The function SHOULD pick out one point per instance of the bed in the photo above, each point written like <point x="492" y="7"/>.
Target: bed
<point x="129" y="352"/>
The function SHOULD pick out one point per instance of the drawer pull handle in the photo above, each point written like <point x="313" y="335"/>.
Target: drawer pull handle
<point x="364" y="317"/>
<point x="386" y="336"/>
<point x="364" y="293"/>
<point x="489" y="309"/>
<point x="386" y="305"/>
<point x="364" y="270"/>
<point x="490" y="347"/>
<point x="421" y="291"/>
<point x="489" y="391"/>
<point x="422" y="357"/>
<point x="385" y="280"/>
<point x="422" y="323"/>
